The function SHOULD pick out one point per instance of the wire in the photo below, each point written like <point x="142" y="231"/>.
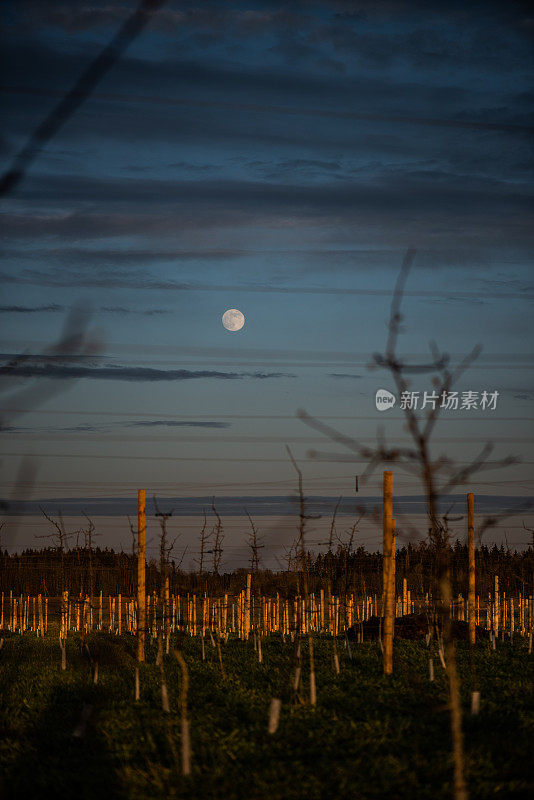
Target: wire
<point x="144" y="457"/>
<point x="215" y="415"/>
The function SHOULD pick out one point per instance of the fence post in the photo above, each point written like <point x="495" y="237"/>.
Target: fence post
<point x="141" y="593"/>
<point x="388" y="571"/>
<point x="471" y="553"/>
<point x="247" y="606"/>
<point x="392" y="572"/>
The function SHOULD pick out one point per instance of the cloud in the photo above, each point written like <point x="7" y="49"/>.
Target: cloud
<point x="305" y="168"/>
<point x="114" y="257"/>
<point x="53" y="307"/>
<point x="144" y="281"/>
<point x="418" y="204"/>
<point x="87" y="427"/>
<point x="119" y="373"/>
<point x="164" y="423"/>
<point x="219" y="87"/>
<point x="150" y="312"/>
<point x="209" y="18"/>
<point x="470" y="301"/>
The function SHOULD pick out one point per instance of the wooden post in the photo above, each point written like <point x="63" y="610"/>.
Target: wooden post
<point x="392" y="573"/>
<point x="64" y="614"/>
<point x="496" y="608"/>
<point x="41" y="623"/>
<point x="141" y="595"/>
<point x="247" y="606"/>
<point x="471" y="579"/>
<point x="387" y="573"/>
<point x="512" y="621"/>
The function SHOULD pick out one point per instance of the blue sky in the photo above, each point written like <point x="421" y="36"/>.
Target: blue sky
<point x="278" y="158"/>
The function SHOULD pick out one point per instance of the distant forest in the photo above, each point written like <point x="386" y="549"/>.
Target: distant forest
<point x="84" y="570"/>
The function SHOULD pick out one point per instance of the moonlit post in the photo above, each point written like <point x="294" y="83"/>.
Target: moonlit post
<point x="141" y="610"/>
<point x="471" y="571"/>
<point x="387" y="572"/>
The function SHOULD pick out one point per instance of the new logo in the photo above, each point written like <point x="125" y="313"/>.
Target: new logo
<point x="384" y="400"/>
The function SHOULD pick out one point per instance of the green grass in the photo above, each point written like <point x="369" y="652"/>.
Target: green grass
<point x="368" y="737"/>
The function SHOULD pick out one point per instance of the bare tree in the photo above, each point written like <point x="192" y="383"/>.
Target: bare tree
<point x="60" y="538"/>
<point x="218" y="533"/>
<point x="438" y="477"/>
<point x="333" y="524"/>
<point x="89" y="533"/>
<point x="165" y="550"/>
<point x="204" y="539"/>
<point x="303" y="572"/>
<point x="254" y="544"/>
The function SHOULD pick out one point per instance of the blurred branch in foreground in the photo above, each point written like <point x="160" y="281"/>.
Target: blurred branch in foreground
<point x="22" y="392"/>
<point x="81" y="90"/>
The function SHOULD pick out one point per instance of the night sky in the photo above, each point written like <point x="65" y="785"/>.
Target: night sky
<point x="278" y="158"/>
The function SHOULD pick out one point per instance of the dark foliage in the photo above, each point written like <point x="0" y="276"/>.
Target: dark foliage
<point x="359" y="571"/>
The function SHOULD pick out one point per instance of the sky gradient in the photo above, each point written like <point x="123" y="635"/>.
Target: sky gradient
<point x="278" y="158"/>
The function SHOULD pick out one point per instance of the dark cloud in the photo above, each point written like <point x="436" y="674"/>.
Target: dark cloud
<point x="58" y="278"/>
<point x="324" y="35"/>
<point x="171" y="21"/>
<point x="119" y="373"/>
<point x="210" y="85"/>
<point x="120" y="310"/>
<point x="470" y="301"/>
<point x="164" y="423"/>
<point x="76" y="262"/>
<point x="84" y="427"/>
<point x="53" y="307"/>
<point x="424" y="193"/>
<point x="115" y="258"/>
<point x="290" y="168"/>
<point x="343" y="375"/>
<point x="87" y="427"/>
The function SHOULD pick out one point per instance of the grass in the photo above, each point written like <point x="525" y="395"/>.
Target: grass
<point x="368" y="737"/>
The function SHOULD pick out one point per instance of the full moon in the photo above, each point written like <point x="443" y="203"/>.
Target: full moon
<point x="233" y="319"/>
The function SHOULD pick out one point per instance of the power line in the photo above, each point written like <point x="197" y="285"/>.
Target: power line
<point x="217" y="438"/>
<point x="215" y="415"/>
<point x="143" y="457"/>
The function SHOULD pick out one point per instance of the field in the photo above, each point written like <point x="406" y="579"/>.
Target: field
<point x="368" y="736"/>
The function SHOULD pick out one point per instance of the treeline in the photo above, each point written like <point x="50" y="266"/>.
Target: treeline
<point x="84" y="570"/>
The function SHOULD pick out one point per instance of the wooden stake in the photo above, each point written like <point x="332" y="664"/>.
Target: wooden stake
<point x="274" y="715"/>
<point x="247" y="606"/>
<point x="471" y="578"/>
<point x="496" y="608"/>
<point x="141" y="596"/>
<point x="389" y="595"/>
